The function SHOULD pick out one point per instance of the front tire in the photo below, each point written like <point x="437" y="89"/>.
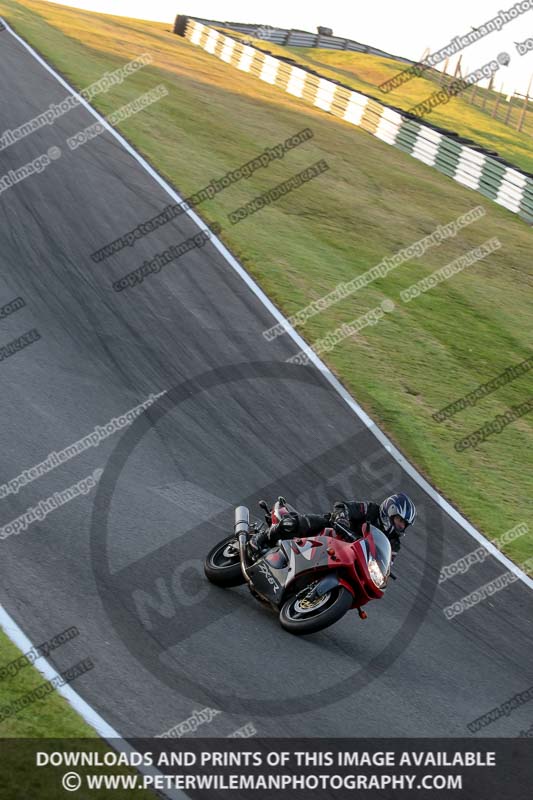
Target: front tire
<point x="297" y="619"/>
<point x="222" y="565"/>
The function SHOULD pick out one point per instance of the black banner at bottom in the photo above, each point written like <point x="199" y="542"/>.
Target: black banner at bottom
<point x="260" y="769"/>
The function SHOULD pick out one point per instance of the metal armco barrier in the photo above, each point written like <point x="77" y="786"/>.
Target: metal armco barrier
<point x="468" y="165"/>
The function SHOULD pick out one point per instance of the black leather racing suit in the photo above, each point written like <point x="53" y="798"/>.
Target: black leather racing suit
<point x="354" y="512"/>
<point x="361" y="511"/>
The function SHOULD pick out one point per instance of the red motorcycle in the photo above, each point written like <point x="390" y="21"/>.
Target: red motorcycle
<point x="310" y="582"/>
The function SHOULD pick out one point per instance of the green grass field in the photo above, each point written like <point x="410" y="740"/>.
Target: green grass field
<point x="373" y="201"/>
<point x="50" y="718"/>
<point x="366" y="72"/>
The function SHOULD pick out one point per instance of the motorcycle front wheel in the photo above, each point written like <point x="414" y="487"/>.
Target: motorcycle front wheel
<point x="222" y="565"/>
<point x="299" y="616"/>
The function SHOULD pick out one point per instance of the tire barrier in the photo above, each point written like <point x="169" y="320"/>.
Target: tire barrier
<point x="463" y="161"/>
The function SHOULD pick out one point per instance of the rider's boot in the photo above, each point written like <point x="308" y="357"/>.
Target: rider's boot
<point x="265" y="538"/>
<point x="286" y="528"/>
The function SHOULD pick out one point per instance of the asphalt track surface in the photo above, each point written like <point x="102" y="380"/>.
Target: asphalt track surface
<point x="124" y="562"/>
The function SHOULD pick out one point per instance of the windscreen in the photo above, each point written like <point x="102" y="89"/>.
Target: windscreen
<point x="383" y="550"/>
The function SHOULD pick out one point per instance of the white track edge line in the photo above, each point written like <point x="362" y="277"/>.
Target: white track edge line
<point x="7" y="623"/>
<point x="356" y="408"/>
<point x="89" y="715"/>
<point x="15" y="633"/>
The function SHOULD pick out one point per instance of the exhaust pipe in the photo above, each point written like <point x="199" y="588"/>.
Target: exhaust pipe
<point x="242" y="528"/>
<point x="242" y="520"/>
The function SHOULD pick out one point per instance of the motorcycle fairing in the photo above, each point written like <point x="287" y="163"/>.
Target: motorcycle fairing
<point x="278" y="568"/>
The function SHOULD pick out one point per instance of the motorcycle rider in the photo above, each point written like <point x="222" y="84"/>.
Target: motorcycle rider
<point x="393" y="516"/>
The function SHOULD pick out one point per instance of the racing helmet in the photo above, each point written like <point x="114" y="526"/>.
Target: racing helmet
<point x="397" y="505"/>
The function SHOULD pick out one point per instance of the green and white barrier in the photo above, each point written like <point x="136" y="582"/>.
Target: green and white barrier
<point x="473" y="168"/>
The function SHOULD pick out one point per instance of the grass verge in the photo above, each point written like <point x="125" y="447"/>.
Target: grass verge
<point x="47" y="719"/>
<point x="373" y="201"/>
<point x="365" y="73"/>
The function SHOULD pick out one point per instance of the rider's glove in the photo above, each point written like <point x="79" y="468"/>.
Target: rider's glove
<point x="284" y="529"/>
<point x="341" y="521"/>
<point x="340" y="514"/>
<point x="289" y="523"/>
<point x="394" y="539"/>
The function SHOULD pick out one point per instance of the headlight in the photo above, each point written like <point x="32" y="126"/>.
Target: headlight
<point x="376" y="574"/>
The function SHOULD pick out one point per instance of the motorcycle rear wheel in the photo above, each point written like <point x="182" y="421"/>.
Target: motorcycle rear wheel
<point x="328" y="610"/>
<point x="222" y="565"/>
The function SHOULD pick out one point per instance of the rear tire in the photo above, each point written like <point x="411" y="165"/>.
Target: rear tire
<point x="222" y="565"/>
<point x="334" y="605"/>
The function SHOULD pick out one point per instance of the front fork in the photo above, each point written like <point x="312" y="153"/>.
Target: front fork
<point x="326" y="585"/>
